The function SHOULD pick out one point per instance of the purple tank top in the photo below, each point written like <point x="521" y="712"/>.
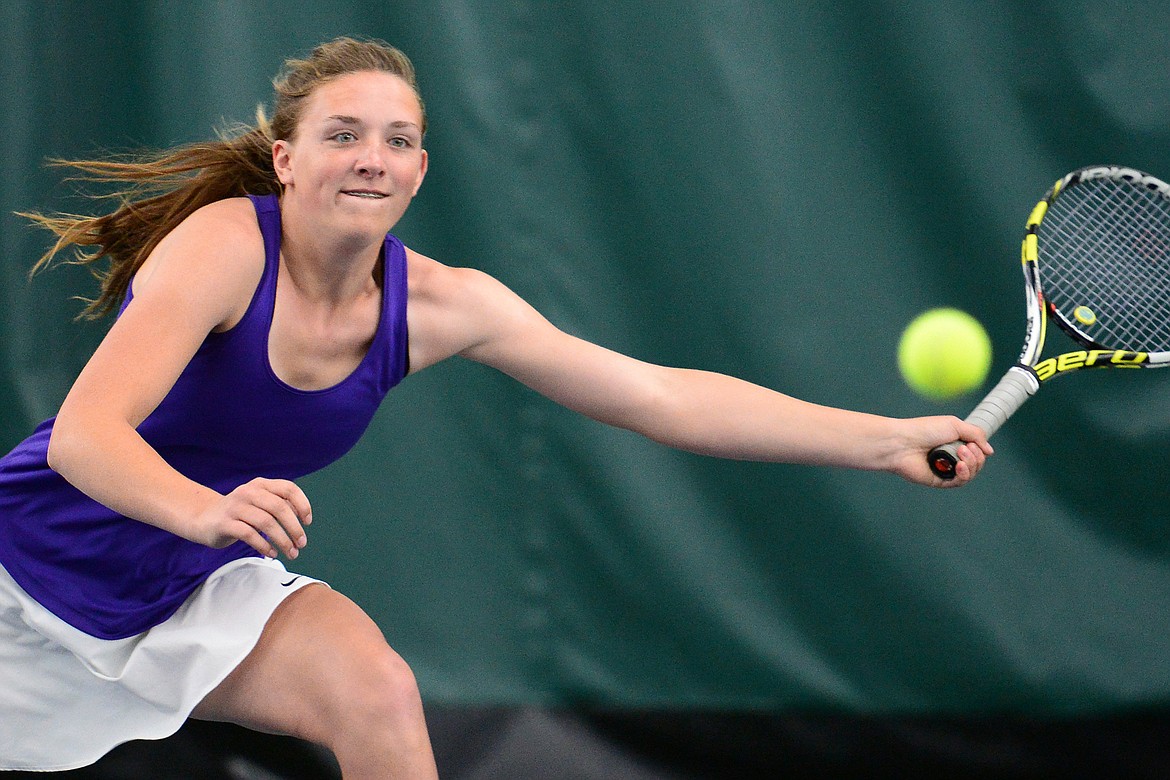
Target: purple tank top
<point x="227" y="419"/>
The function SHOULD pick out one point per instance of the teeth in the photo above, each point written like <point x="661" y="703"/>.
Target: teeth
<point x="374" y="195"/>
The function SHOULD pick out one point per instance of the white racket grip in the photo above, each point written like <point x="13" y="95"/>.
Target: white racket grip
<point x="1017" y="386"/>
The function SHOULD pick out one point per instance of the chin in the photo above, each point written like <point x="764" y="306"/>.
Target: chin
<point x="372" y="222"/>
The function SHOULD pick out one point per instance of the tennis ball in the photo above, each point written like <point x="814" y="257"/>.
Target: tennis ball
<point x="944" y="353"/>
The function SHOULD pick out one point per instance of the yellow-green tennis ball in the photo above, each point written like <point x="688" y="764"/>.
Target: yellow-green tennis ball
<point x="944" y="353"/>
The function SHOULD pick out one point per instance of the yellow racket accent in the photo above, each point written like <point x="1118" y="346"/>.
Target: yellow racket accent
<point x="1028" y="250"/>
<point x="1037" y="214"/>
<point x="1070" y="361"/>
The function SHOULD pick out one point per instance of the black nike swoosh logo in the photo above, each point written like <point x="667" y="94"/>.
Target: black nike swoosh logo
<point x="290" y="582"/>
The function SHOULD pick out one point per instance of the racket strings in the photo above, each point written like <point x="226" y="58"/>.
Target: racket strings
<point x="1104" y="263"/>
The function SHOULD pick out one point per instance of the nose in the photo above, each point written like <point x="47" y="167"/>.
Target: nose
<point x="370" y="162"/>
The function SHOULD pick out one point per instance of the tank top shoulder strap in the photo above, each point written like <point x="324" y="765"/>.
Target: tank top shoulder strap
<point x="268" y="217"/>
<point x="394" y="300"/>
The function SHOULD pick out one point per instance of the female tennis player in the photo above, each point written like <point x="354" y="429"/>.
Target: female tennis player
<point x="265" y="310"/>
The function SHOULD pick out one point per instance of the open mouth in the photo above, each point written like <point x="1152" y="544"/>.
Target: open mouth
<point x="368" y="194"/>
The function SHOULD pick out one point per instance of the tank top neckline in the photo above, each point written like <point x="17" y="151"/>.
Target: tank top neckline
<point x="269" y="315"/>
<point x="263" y="302"/>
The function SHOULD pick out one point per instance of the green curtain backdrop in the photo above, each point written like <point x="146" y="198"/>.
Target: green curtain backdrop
<point x="767" y="189"/>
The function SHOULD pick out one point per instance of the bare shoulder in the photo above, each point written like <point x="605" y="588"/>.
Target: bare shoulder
<point x="451" y="310"/>
<point x="217" y="233"/>
<point x="430" y="280"/>
<point x="217" y="252"/>
<point x="464" y="312"/>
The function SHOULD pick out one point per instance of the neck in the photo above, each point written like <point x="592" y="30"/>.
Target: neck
<point x="335" y="266"/>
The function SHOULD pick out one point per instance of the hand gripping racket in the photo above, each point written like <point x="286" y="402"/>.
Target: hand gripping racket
<point x="1096" y="257"/>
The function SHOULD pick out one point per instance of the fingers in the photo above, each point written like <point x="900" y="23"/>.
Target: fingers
<point x="973" y="434"/>
<point x="291" y="493"/>
<point x="269" y="515"/>
<point x="972" y="456"/>
<point x="972" y="453"/>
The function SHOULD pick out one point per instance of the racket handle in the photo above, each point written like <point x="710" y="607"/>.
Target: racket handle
<point x="1017" y="386"/>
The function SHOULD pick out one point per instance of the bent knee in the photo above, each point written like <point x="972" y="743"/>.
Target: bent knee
<point x="379" y="690"/>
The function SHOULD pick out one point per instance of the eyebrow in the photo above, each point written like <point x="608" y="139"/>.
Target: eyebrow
<point x="353" y="120"/>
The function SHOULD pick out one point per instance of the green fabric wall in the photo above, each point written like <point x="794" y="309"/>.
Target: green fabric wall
<point x="767" y="189"/>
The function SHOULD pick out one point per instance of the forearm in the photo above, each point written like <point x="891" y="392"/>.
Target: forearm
<point x="112" y="464"/>
<point x="718" y="415"/>
<point x="705" y="412"/>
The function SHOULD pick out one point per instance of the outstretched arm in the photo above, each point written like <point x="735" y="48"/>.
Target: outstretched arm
<point x="457" y="311"/>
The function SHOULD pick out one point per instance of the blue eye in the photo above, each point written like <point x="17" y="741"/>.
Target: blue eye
<point x="344" y="136"/>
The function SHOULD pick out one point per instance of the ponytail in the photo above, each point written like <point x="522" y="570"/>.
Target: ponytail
<point x="156" y="192"/>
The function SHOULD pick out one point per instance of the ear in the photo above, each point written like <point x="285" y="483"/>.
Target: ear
<point x="422" y="173"/>
<point x="282" y="162"/>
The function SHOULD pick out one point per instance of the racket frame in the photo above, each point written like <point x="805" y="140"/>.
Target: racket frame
<point x="1023" y="379"/>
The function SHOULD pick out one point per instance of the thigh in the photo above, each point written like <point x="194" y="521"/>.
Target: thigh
<point x="309" y="660"/>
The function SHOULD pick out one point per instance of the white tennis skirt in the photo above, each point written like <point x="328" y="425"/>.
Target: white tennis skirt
<point x="67" y="698"/>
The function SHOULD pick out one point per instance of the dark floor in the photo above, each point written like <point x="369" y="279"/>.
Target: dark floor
<point x="529" y="743"/>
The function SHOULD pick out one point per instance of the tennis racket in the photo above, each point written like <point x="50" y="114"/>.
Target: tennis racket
<point x="1096" y="258"/>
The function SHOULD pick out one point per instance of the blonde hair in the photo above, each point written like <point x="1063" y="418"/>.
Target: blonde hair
<point x="156" y="191"/>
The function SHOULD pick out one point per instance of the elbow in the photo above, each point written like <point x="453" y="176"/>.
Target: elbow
<point x="64" y="447"/>
<point x="660" y="414"/>
<point x="55" y="454"/>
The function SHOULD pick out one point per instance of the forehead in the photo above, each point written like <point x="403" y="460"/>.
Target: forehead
<point x="369" y="95"/>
